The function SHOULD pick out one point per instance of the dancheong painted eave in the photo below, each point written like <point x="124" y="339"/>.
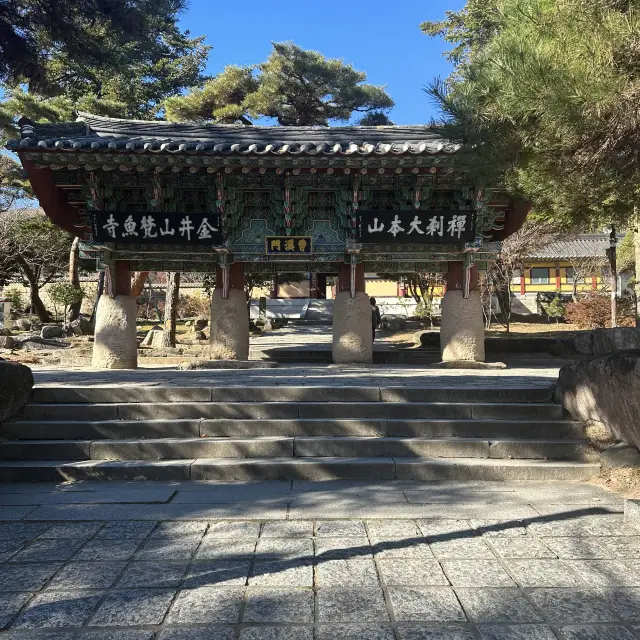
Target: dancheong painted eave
<point x="96" y="134"/>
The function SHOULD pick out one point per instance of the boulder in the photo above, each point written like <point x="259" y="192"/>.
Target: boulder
<point x="36" y="343"/>
<point x="5" y="332"/>
<point x="605" y="389"/>
<point x="429" y="339"/>
<point x="393" y="322"/>
<point x="614" y="340"/>
<point x="7" y="342"/>
<point x="200" y="323"/>
<point x="153" y="337"/>
<point x="16" y="382"/>
<point x="583" y="343"/>
<point x="23" y="324"/>
<point x="51" y="331"/>
<point x="81" y="327"/>
<point x="619" y="456"/>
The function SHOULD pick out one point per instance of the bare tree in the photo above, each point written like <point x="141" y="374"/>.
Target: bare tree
<point x="171" y="309"/>
<point x="515" y="251"/>
<point x="422" y="288"/>
<point x="584" y="268"/>
<point x="32" y="247"/>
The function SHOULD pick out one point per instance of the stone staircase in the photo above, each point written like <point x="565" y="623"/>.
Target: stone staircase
<point x="318" y="433"/>
<point x="319" y="312"/>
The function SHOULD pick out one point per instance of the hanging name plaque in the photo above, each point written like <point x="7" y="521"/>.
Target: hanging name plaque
<point x="416" y="227"/>
<point x="157" y="228"/>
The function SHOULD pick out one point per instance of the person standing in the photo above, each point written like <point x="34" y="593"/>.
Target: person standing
<point x="375" y="317"/>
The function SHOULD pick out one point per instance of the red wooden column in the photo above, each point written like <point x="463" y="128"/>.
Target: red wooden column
<point x="115" y="344"/>
<point x="462" y="324"/>
<point x="456" y="275"/>
<point x="236" y="276"/>
<point x="344" y="277"/>
<point x="523" y="284"/>
<point x="229" y="334"/>
<point x="122" y="278"/>
<point x="352" y="326"/>
<point x="558" y="279"/>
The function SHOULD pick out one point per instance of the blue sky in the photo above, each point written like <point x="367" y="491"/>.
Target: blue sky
<point x="381" y="38"/>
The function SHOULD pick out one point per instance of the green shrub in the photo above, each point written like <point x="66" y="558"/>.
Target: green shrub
<point x="16" y="295"/>
<point x="64" y="294"/>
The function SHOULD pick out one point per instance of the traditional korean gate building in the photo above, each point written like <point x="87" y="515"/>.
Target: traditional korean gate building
<point x="231" y="199"/>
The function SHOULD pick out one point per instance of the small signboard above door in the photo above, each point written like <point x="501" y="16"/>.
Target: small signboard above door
<point x="416" y="227"/>
<point x="144" y="227"/>
<point x="288" y="245"/>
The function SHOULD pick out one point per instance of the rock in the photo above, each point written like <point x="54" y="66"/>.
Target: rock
<point x="151" y="339"/>
<point x="51" y="331"/>
<point x="200" y="323"/>
<point x="5" y="332"/>
<point x="82" y="327"/>
<point x="16" y="382"/>
<point x="23" y="324"/>
<point x="605" y="389"/>
<point x="614" y="340"/>
<point x="429" y="339"/>
<point x="37" y="343"/>
<point x="467" y="364"/>
<point x="7" y="342"/>
<point x="227" y="364"/>
<point x="583" y="343"/>
<point x="620" y="455"/>
<point x="200" y="335"/>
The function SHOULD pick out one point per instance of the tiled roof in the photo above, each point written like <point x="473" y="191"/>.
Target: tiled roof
<point x="95" y="133"/>
<point x="580" y="246"/>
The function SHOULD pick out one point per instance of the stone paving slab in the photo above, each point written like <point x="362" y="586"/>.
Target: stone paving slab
<point x="379" y="571"/>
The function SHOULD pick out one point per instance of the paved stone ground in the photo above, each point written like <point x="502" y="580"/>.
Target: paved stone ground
<point x="301" y="375"/>
<point x="322" y="561"/>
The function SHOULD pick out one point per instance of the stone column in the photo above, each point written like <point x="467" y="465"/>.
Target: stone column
<point x="462" y="324"/>
<point x="229" y="338"/>
<point x="115" y="344"/>
<point x="352" y="329"/>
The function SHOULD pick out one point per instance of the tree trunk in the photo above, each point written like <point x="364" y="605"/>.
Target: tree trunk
<point x="99" y="293"/>
<point x="170" y="309"/>
<point x="37" y="306"/>
<point x="74" y="277"/>
<point x="614" y="277"/>
<point x="636" y="242"/>
<point x="36" y="303"/>
<point x="137" y="283"/>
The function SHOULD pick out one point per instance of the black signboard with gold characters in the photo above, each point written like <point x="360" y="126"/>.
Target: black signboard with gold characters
<point x="288" y="245"/>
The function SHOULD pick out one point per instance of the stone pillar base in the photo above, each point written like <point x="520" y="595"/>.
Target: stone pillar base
<point x="229" y="326"/>
<point x="352" y="329"/>
<point x="462" y="327"/>
<point x="115" y="343"/>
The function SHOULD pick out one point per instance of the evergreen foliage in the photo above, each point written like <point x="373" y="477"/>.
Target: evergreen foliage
<point x="546" y="96"/>
<point x="293" y="86"/>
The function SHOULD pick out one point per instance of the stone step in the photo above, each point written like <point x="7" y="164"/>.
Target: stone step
<point x="142" y="394"/>
<point x="290" y="410"/>
<point x="228" y="470"/>
<point x="280" y="447"/>
<point x="181" y="428"/>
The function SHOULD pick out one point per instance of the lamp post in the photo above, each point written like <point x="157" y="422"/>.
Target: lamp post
<point x="613" y="243"/>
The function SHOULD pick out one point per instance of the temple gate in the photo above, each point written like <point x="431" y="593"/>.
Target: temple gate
<point x="232" y="199"/>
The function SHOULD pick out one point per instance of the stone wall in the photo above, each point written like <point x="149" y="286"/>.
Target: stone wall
<point x="605" y="389"/>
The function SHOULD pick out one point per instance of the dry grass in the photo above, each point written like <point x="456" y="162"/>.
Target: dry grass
<point x="625" y="481"/>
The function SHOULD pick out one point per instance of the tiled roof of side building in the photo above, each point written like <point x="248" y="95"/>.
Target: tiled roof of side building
<point x="96" y="133"/>
<point x="580" y="246"/>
